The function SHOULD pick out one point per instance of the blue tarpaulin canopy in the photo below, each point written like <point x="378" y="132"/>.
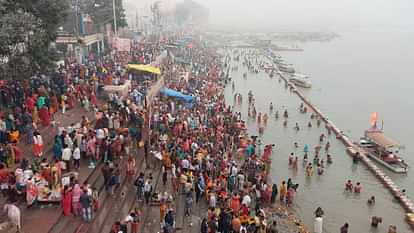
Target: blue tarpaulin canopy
<point x="173" y="93"/>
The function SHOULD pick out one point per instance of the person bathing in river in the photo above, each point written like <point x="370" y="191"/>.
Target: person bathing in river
<point x="296" y="145"/>
<point x="392" y="229"/>
<point x="295" y="163"/>
<point x="319" y="169"/>
<point x="327" y="146"/>
<point x="317" y="149"/>
<point x="290" y="195"/>
<point x="259" y="118"/>
<point x="254" y="113"/>
<point x="285" y="114"/>
<point x="297" y="128"/>
<point x="265" y="117"/>
<point x="322" y="163"/>
<point x="305" y="109"/>
<point x="349" y="186"/>
<point x="305" y="160"/>
<point x="282" y="191"/>
<point x="309" y="170"/>
<point x="239" y="99"/>
<point x="321" y="138"/>
<point x="271" y="106"/>
<point x="316" y="159"/>
<point x="371" y="201"/>
<point x="261" y="129"/>
<point x="310" y="124"/>
<point x="358" y="187"/>
<point x="329" y="159"/>
<point x="291" y="157"/>
<point x="306" y="148"/>
<point x="375" y="221"/>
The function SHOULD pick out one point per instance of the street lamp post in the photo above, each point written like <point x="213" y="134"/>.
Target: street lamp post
<point x="115" y="25"/>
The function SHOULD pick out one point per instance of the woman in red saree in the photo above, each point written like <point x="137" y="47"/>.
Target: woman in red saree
<point x="67" y="201"/>
<point x="94" y="100"/>
<point x="235" y="204"/>
<point x="37" y="144"/>
<point x="18" y="153"/>
<point x="44" y="116"/>
<point x="71" y="100"/>
<point x="130" y="166"/>
<point x="31" y="193"/>
<point x="75" y="197"/>
<point x="30" y="104"/>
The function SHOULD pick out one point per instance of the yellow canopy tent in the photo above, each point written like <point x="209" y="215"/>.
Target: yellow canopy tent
<point x="146" y="68"/>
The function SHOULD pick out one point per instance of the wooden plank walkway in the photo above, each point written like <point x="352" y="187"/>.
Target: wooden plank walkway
<point x="405" y="202"/>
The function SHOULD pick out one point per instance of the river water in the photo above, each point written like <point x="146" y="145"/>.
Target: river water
<point x="363" y="71"/>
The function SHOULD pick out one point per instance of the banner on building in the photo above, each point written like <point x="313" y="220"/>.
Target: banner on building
<point x="121" y="44"/>
<point x="109" y="33"/>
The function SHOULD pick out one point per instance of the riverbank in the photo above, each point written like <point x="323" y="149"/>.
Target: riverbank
<point x="327" y="190"/>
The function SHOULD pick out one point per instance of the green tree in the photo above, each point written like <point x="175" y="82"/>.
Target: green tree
<point x="27" y="28"/>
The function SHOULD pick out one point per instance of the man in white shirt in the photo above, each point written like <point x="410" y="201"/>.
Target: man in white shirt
<point x="194" y="147"/>
<point x="246" y="200"/>
<point x="2" y="131"/>
<point x="100" y="134"/>
<point x="76" y="157"/>
<point x="240" y="181"/>
<point x="185" y="164"/>
<point x="213" y="200"/>
<point x="233" y="169"/>
<point x="147" y="191"/>
<point x="66" y="156"/>
<point x="68" y="141"/>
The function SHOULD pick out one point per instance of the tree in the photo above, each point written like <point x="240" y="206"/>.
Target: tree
<point x="27" y="29"/>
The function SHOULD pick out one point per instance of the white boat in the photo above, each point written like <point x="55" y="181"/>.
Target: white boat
<point x="286" y="68"/>
<point x="301" y="80"/>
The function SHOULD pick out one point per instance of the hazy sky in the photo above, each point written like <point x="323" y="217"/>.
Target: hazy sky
<point x="303" y="13"/>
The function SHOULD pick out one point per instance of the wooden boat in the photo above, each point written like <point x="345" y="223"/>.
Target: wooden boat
<point x="382" y="149"/>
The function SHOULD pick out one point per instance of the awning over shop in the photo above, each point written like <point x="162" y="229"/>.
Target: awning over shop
<point x="145" y="68"/>
<point x="176" y="94"/>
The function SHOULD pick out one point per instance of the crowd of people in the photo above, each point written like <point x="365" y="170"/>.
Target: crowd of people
<point x="110" y="126"/>
<point x="208" y="156"/>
